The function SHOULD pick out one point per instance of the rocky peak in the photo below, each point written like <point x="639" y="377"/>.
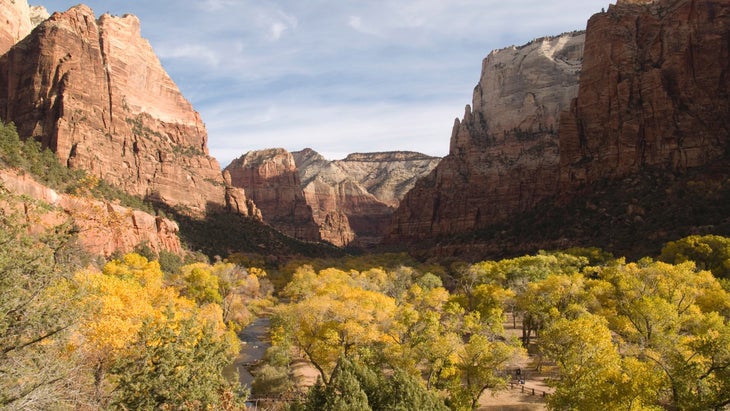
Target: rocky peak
<point x="38" y="14"/>
<point x="271" y="180"/>
<point x="387" y="175"/>
<point x="95" y="92"/>
<point x="352" y="199"/>
<point x="522" y="90"/>
<point x="652" y="97"/>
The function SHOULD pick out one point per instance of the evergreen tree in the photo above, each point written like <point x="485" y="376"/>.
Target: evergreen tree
<point x="179" y="367"/>
<point x="36" y="310"/>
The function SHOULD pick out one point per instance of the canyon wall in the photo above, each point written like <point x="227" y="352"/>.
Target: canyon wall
<point x="104" y="228"/>
<point x="504" y="155"/>
<point x="96" y="94"/>
<point x="646" y="89"/>
<point x="353" y="199"/>
<point x="654" y="91"/>
<point x="344" y="202"/>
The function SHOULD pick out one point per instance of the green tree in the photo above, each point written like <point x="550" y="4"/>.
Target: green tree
<point x="358" y="387"/>
<point x="36" y="309"/>
<point x="177" y="367"/>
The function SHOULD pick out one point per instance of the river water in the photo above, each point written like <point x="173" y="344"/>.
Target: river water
<point x="254" y="343"/>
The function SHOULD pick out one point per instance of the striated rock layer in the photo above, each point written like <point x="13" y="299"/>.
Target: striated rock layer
<point x="95" y="93"/>
<point x="270" y="179"/>
<point x="104" y="227"/>
<point x="654" y="91"/>
<point x="504" y="155"/>
<point x="352" y="200"/>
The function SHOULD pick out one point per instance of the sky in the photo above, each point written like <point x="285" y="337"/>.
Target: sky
<point x="337" y="76"/>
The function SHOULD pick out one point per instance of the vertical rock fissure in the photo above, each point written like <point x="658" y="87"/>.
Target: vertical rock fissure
<point x="107" y="76"/>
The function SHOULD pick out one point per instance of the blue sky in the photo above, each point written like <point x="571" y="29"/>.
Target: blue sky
<point x="338" y="76"/>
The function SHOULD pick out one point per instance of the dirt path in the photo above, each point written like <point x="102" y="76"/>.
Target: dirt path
<point x="529" y="396"/>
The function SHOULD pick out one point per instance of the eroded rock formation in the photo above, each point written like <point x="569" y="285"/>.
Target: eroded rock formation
<point x="270" y="179"/>
<point x="504" y="155"/>
<point x="344" y="202"/>
<point x="95" y="93"/>
<point x="353" y="199"/>
<point x="653" y="96"/>
<point x="104" y="227"/>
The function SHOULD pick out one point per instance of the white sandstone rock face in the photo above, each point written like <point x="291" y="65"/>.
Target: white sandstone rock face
<point x="525" y="88"/>
<point x="353" y="199"/>
<point x="504" y="155"/>
<point x="38" y="14"/>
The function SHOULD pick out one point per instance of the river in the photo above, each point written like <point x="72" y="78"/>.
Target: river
<point x="254" y="343"/>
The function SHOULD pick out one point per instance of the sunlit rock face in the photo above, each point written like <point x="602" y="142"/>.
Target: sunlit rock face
<point x="270" y="179"/>
<point x="352" y="200"/>
<point x="103" y="227"/>
<point x="646" y="88"/>
<point x="504" y="155"/>
<point x="344" y="202"/>
<point x="95" y="92"/>
<point x="15" y="23"/>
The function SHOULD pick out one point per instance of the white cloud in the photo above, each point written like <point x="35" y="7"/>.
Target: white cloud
<point x="357" y="24"/>
<point x="214" y="5"/>
<point x="277" y="29"/>
<point x="196" y="52"/>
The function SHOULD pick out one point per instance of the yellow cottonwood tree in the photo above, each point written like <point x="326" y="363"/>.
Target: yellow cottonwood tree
<point x="127" y="294"/>
<point x="329" y="317"/>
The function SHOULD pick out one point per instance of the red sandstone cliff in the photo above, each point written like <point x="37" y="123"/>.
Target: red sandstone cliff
<point x="95" y="93"/>
<point x="104" y="227"/>
<point x="504" y="155"/>
<point x="654" y="90"/>
<point x="270" y="179"/>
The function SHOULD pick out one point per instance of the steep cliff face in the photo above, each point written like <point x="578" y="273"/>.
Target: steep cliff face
<point x="104" y="228"/>
<point x="95" y="93"/>
<point x="653" y="90"/>
<point x="353" y="199"/>
<point x="320" y="183"/>
<point x="504" y="155"/>
<point x="15" y="23"/>
<point x="344" y="202"/>
<point x="270" y="179"/>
